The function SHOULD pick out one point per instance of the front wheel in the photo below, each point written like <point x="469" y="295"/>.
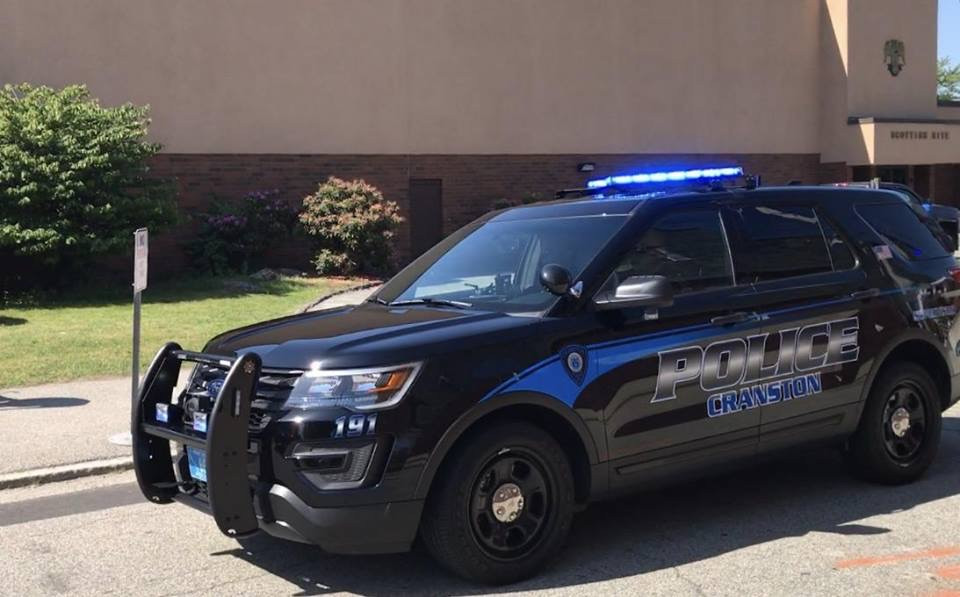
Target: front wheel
<point x="899" y="430"/>
<point x="502" y="505"/>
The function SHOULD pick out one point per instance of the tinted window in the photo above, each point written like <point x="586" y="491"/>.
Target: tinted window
<point x="778" y="242"/>
<point x="900" y="228"/>
<point x="840" y="253"/>
<point x="688" y="248"/>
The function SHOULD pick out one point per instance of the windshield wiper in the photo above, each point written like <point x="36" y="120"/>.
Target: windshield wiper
<point x="431" y="302"/>
<point x="377" y="299"/>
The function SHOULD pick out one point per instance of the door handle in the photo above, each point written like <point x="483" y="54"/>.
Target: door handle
<point x="862" y="295"/>
<point x="738" y="317"/>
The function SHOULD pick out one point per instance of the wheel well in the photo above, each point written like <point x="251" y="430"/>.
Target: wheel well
<point x="928" y="357"/>
<point x="554" y="424"/>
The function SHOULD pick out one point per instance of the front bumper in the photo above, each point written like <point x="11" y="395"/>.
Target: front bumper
<point x="242" y="503"/>
<point x="351" y="530"/>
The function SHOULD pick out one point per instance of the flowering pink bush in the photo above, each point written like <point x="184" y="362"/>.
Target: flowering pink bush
<point x="236" y="236"/>
<point x="352" y="226"/>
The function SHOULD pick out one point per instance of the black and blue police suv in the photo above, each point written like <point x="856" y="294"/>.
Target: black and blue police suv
<point x="650" y="327"/>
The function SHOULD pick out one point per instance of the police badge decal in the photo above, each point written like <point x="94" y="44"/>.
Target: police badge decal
<point x="575" y="362"/>
<point x="894" y="56"/>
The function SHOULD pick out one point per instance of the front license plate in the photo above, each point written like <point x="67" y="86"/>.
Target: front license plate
<point x="200" y="422"/>
<point x="197" y="459"/>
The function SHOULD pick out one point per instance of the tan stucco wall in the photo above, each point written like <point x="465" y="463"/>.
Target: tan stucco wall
<point x="872" y="90"/>
<point x="904" y="143"/>
<point x="834" y="69"/>
<point x="948" y="113"/>
<point x="855" y="80"/>
<point x="438" y="76"/>
<point x="496" y="77"/>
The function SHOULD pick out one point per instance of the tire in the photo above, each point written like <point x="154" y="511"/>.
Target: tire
<point x="877" y="451"/>
<point x="461" y="527"/>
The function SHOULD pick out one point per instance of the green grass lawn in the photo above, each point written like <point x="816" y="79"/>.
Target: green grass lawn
<point x="89" y="335"/>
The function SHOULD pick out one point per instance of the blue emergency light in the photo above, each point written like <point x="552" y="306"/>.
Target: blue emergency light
<point x="665" y="177"/>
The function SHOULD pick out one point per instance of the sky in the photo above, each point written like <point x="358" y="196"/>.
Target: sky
<point x="949" y="30"/>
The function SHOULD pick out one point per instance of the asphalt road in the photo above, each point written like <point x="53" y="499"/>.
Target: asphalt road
<point x="798" y="526"/>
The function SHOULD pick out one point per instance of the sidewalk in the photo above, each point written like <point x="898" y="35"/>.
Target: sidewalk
<point x="63" y="423"/>
<point x="350" y="297"/>
<point x="59" y="424"/>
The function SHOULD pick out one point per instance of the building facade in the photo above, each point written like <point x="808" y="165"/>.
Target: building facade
<point x="453" y="106"/>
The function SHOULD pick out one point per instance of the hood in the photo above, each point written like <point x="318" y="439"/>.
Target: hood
<point x="368" y="335"/>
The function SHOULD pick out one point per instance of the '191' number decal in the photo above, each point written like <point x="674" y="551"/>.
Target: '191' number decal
<point x="355" y="425"/>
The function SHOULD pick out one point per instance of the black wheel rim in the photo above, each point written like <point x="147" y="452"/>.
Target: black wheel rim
<point x="904" y="422"/>
<point x="499" y="535"/>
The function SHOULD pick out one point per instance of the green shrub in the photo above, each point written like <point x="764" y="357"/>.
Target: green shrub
<point x="235" y="236"/>
<point x="74" y="180"/>
<point x="352" y="226"/>
<point x="331" y="262"/>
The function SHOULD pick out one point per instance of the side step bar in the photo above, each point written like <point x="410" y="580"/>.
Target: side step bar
<point x="228" y="489"/>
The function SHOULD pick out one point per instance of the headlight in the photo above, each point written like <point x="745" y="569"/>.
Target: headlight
<point x="356" y="389"/>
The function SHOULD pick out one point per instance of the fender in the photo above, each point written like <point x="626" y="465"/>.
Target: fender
<point x="880" y="359"/>
<point x="449" y="438"/>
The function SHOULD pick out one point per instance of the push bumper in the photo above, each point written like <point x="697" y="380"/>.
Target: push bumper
<point x="350" y="530"/>
<point x="376" y="528"/>
<point x="239" y="504"/>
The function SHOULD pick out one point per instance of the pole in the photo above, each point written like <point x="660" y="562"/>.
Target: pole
<point x="135" y="371"/>
<point x="140" y="245"/>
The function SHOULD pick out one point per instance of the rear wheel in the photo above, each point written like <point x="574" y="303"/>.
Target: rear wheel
<point x="502" y="504"/>
<point x="899" y="430"/>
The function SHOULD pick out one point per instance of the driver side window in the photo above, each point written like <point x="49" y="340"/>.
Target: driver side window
<point x="686" y="247"/>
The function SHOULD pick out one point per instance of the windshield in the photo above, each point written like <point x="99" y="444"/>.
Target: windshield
<point x="497" y="266"/>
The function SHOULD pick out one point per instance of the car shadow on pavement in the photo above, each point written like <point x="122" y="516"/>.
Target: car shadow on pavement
<point x="7" y="403"/>
<point x="802" y="493"/>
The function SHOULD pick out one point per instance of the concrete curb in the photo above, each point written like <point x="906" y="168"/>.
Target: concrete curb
<point x="65" y="472"/>
<point x="364" y="285"/>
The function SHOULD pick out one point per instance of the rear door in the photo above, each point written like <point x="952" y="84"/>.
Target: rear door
<point x="802" y="370"/>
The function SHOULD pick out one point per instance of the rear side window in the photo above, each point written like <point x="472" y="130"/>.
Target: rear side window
<point x="687" y="247"/>
<point x="902" y="230"/>
<point x="779" y="242"/>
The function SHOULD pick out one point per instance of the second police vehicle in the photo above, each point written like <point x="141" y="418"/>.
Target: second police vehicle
<point x="649" y="328"/>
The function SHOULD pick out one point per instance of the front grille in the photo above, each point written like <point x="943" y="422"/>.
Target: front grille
<point x="259" y="420"/>
<point x="273" y="389"/>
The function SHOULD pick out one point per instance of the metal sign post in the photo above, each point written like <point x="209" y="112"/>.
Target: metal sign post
<point x="139" y="285"/>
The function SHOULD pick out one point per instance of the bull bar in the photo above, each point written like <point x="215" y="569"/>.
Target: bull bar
<point x="229" y="494"/>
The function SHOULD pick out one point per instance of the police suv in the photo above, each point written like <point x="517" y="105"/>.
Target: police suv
<point x="654" y="327"/>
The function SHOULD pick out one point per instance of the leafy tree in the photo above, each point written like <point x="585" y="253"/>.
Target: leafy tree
<point x="948" y="79"/>
<point x="352" y="225"/>
<point x="74" y="180"/>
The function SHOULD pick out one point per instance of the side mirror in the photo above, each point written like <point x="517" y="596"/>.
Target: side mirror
<point x="638" y="291"/>
<point x="556" y="279"/>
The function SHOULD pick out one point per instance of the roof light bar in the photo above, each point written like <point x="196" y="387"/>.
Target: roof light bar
<point x="661" y="177"/>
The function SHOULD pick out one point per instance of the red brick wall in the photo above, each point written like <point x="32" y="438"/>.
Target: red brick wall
<point x="471" y="183"/>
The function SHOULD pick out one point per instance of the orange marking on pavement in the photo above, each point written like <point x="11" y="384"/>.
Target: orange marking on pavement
<point x="946" y="594"/>
<point x="949" y="572"/>
<point x="937" y="552"/>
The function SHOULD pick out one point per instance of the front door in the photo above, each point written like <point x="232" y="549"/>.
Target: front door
<point x="664" y="374"/>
